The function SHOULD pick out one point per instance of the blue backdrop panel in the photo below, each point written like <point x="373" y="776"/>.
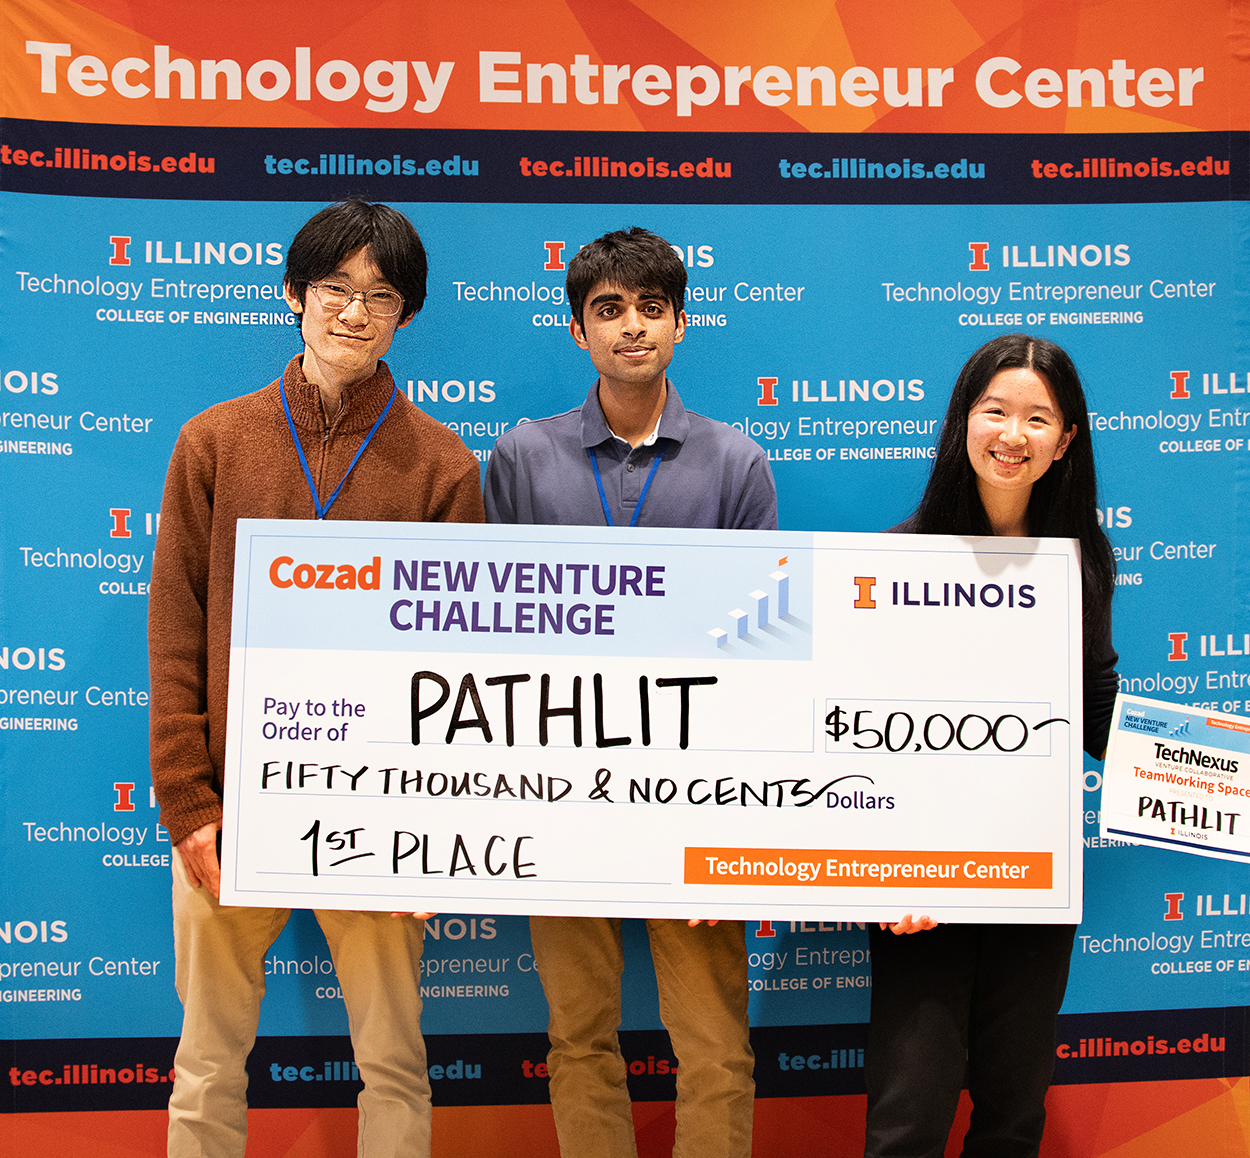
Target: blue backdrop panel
<point x="831" y="333"/>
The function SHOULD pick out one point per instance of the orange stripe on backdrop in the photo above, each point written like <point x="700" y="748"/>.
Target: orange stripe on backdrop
<point x="1210" y="1117"/>
<point x="603" y="24"/>
<point x="1133" y="1120"/>
<point x="1062" y="35"/>
<point x="788" y="35"/>
<point x="459" y="1132"/>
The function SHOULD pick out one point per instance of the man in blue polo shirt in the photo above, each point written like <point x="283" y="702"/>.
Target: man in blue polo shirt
<point x="632" y="455"/>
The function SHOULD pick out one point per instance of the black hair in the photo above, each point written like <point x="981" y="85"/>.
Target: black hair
<point x="1062" y="503"/>
<point x="634" y="259"/>
<point x="328" y="237"/>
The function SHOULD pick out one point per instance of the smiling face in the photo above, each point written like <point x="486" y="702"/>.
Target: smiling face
<point x="342" y="348"/>
<point x="629" y="335"/>
<point x="1015" y="432"/>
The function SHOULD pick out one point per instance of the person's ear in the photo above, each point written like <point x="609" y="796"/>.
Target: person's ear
<point x="680" y="331"/>
<point x="1065" y="442"/>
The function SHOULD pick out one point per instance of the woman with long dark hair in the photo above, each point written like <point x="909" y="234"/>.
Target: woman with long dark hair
<point x="980" y="1001"/>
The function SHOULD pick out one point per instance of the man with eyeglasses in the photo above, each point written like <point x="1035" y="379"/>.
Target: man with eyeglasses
<point x="331" y="438"/>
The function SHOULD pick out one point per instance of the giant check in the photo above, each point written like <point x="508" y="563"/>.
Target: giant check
<point x="665" y="723"/>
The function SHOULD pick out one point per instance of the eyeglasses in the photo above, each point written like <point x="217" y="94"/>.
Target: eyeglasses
<point x="335" y="297"/>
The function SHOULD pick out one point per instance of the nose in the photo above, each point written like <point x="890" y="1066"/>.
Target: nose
<point x="354" y="313"/>
<point x="633" y="321"/>
<point x="1013" y="432"/>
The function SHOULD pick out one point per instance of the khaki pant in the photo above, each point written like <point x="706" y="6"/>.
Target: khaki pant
<point x="220" y="977"/>
<point x="702" y="977"/>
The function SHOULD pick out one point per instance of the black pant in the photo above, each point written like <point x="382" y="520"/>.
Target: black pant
<point x="979" y="1000"/>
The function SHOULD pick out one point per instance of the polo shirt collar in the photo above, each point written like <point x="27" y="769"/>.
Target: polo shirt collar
<point x="674" y="423"/>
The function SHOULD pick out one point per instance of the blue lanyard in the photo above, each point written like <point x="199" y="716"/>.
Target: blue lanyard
<point x="303" y="460"/>
<point x="603" y="498"/>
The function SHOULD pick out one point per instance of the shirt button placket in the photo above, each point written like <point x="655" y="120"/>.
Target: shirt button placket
<point x="631" y="482"/>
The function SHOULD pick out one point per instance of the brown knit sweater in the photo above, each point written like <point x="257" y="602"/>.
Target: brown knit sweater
<point x="236" y="461"/>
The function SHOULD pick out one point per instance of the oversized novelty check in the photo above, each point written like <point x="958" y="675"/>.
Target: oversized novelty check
<point x="1178" y="777"/>
<point x="664" y="723"/>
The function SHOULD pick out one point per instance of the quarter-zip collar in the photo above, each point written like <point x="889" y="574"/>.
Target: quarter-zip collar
<point x="362" y="403"/>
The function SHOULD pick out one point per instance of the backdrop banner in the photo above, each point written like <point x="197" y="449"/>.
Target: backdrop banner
<point x="862" y="192"/>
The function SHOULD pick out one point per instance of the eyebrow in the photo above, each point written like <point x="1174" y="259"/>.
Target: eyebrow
<point x="339" y="275"/>
<point x="989" y="399"/>
<point x="613" y="296"/>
